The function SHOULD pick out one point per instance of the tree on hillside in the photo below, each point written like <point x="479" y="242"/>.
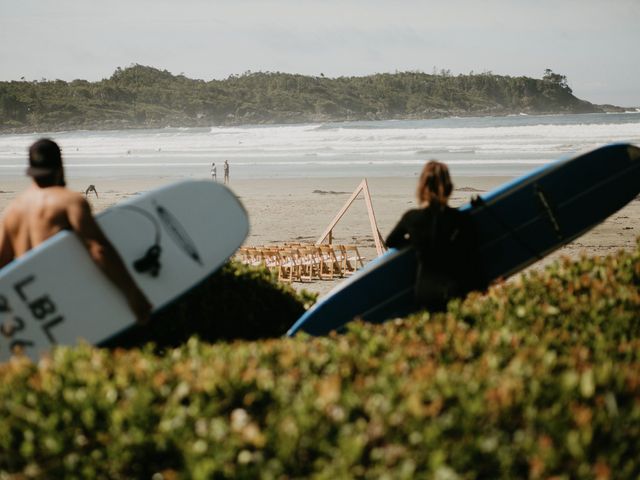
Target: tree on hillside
<point x="145" y="96"/>
<point x="556" y="79"/>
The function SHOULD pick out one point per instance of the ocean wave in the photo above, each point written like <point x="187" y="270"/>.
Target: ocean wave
<point x="440" y="151"/>
<point x="465" y="141"/>
<point x="344" y="163"/>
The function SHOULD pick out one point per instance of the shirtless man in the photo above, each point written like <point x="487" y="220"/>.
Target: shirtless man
<point x="47" y="207"/>
<point x="91" y="188"/>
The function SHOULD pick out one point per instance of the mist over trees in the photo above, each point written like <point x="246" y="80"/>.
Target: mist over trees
<point x="142" y="96"/>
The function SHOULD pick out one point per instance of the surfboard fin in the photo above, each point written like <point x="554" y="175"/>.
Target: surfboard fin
<point x="150" y="262"/>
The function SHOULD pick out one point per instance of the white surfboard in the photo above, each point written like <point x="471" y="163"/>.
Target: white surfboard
<point x="55" y="294"/>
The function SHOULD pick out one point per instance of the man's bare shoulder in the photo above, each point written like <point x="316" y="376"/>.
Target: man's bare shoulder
<point x="64" y="197"/>
<point x="16" y="207"/>
<point x="75" y="196"/>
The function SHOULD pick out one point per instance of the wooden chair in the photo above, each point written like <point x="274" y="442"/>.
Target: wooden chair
<point x="288" y="267"/>
<point x="341" y="258"/>
<point x="310" y="263"/>
<point x="330" y="264"/>
<point x="353" y="259"/>
<point x="270" y="258"/>
<point x="252" y="256"/>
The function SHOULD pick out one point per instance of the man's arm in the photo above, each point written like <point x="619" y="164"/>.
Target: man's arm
<point x="106" y="257"/>
<point x="6" y="248"/>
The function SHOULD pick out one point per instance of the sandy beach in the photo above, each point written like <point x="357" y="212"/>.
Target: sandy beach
<point x="299" y="209"/>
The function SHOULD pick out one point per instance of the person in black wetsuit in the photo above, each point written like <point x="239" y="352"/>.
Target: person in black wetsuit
<point x="443" y="239"/>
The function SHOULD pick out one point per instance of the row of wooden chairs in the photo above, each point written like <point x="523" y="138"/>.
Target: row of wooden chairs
<point x="299" y="262"/>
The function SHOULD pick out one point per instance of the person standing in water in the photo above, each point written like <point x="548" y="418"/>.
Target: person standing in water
<point x="214" y="172"/>
<point x="443" y="239"/>
<point x="226" y="172"/>
<point x="48" y="207"/>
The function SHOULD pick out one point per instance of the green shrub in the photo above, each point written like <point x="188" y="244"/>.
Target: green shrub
<point x="236" y="302"/>
<point x="539" y="378"/>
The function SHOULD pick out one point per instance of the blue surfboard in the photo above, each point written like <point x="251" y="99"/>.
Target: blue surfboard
<point x="516" y="224"/>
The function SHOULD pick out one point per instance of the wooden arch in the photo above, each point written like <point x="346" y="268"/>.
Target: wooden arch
<point x="377" y="237"/>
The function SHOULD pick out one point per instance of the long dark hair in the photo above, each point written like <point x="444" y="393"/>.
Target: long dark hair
<point x="434" y="186"/>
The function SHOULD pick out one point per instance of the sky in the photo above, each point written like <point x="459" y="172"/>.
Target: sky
<point x="595" y="43"/>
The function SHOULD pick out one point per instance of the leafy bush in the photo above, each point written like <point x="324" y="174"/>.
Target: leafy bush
<point x="236" y="302"/>
<point x="539" y="378"/>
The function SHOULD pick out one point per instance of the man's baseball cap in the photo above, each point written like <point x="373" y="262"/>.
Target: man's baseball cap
<point x="44" y="158"/>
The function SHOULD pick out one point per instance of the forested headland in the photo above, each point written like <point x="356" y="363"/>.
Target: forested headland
<point x="142" y="96"/>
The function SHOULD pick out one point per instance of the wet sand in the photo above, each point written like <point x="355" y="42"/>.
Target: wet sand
<point x="283" y="210"/>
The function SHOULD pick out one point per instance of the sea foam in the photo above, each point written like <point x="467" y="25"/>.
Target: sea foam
<point x="473" y="146"/>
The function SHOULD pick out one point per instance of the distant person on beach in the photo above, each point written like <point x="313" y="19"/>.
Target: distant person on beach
<point x="47" y="207"/>
<point x="443" y="240"/>
<point x="226" y="172"/>
<point x="214" y="172"/>
<point x="91" y="188"/>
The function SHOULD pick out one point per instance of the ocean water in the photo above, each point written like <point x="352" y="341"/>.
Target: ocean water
<point x="475" y="146"/>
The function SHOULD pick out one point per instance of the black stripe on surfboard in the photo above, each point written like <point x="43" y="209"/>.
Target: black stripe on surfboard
<point x="178" y="233"/>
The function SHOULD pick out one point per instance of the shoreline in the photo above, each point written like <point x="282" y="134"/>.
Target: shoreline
<point x="312" y="119"/>
<point x="299" y="209"/>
